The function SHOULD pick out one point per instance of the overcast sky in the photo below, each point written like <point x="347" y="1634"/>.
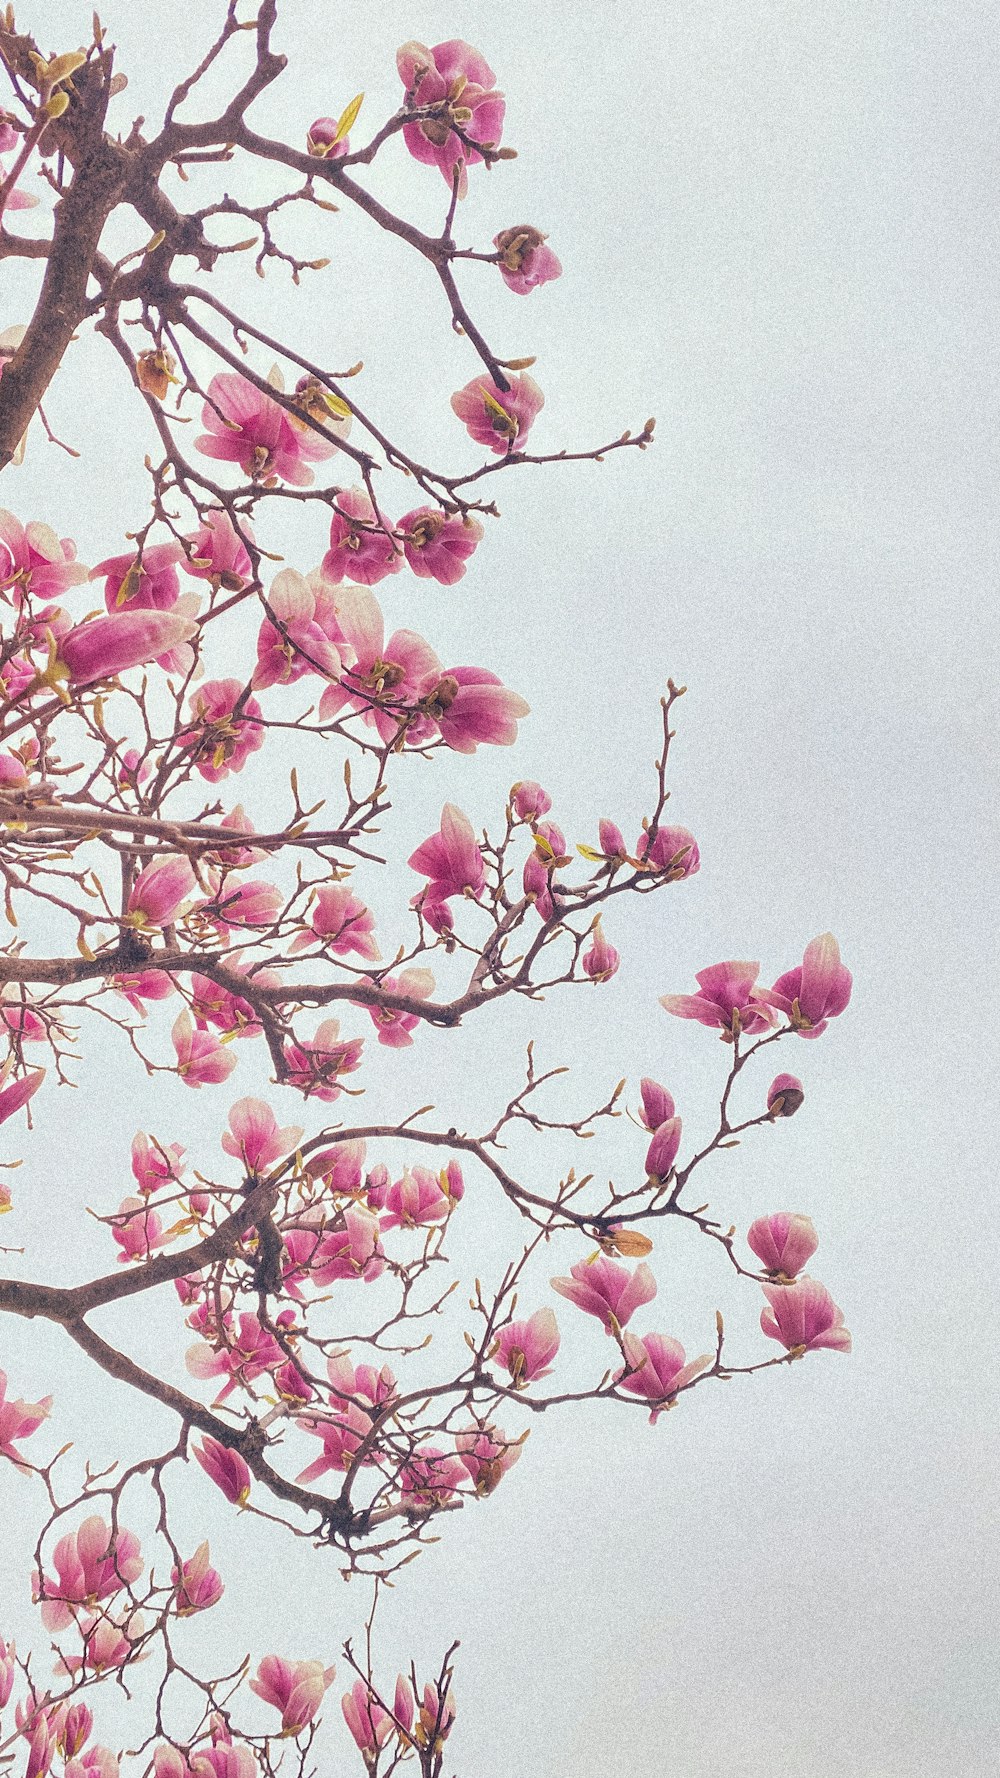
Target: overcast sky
<point x="778" y="228"/>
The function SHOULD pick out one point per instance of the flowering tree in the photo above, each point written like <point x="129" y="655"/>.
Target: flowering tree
<point x="309" y="1262"/>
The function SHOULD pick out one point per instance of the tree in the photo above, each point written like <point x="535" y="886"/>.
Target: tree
<point x="311" y="1255"/>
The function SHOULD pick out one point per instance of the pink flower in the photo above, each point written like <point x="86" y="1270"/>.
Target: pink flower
<point x="662" y="1151"/>
<point x="197" y="1583"/>
<point x="107" y="646"/>
<point x="18" y="1419"/>
<point x="246" y="427"/>
<point x="458" y="83"/>
<point x="75" y="1730"/>
<point x="13" y="773"/>
<point x="387" y="679"/>
<point x="132" y="770"/>
<point x="348" y="1380"/>
<point x="254" y="1138"/>
<point x="673" y="849"/>
<point x="138" y="1231"/>
<point x="419" y="1197"/>
<point x="342" y="1440"/>
<point x="353" y="1250"/>
<point x="221" y="740"/>
<point x="499" y="418"/>
<point x="97" y="1762"/>
<point x="91" y="1564"/>
<point x="17" y="1015"/>
<point x="657" y="1104"/>
<point x="361" y="546"/>
<point x="159" y="892"/>
<point x="784" y="1095"/>
<point x="612" y="840"/>
<point x="169" y="1763"/>
<point x="153" y="1165"/>
<point x="601" y="961"/>
<point x="471" y="706"/>
<point x="370" y="1724"/>
<point x="201" y="1058"/>
<point x="325" y="141"/>
<point x="437" y="544"/>
<point x="314" y="1065"/>
<point x="19" y="1092"/>
<point x="451" y="858"/>
<point x="726" y="997"/>
<point x="218" y="551"/>
<point x="487" y="1454"/>
<point x="225" y="1758"/>
<point x="431" y="1479"/>
<point x="403" y="1703"/>
<point x="528" y="800"/>
<point x="245" y="1357"/>
<point x="436" y="1717"/>
<point x="658" y="1369"/>
<point x="341" y="922"/>
<point x="140" y="985"/>
<point x="783" y="1243"/>
<point x="225" y="1468"/>
<point x="803" y="1316"/>
<point x="815" y="992"/>
<point x="524" y="260"/>
<point x="296" y="1688"/>
<point x="339" y="1167"/>
<point x="253" y="904"/>
<point x="147" y="582"/>
<point x="8" y="1671"/>
<point x="237" y="857"/>
<point x="41" y="1748"/>
<point x="609" y="1291"/>
<point x="34" y="560"/>
<point x="17" y="199"/>
<point x="307" y="640"/>
<point x="524" y="1348"/>
<point x="395" y="1025"/>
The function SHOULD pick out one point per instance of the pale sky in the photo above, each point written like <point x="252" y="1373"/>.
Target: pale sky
<point x="778" y="228"/>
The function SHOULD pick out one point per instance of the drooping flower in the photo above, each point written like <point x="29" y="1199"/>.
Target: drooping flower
<point x="140" y="985"/>
<point x="804" y="1315"/>
<point x="524" y="1348"/>
<point x="394" y="1024"/>
<point x="246" y="426"/>
<point x="817" y="991"/>
<point x="785" y="1095"/>
<point x="198" y="1585"/>
<point x="609" y="1291"/>
<point x="471" y="706"/>
<point x="296" y="1688"/>
<point x="361" y="549"/>
<point x="255" y="905"/>
<point x="201" y="1058"/>
<point x="19" y="1091"/>
<point x="220" y="739"/>
<point x="456" y="82"/>
<point x="253" y="1136"/>
<point x="451" y="858"/>
<point x="487" y="1454"/>
<point x="657" y="1369"/>
<point x="437" y="545"/>
<point x="136" y="1230"/>
<point x="107" y="646"/>
<point x="498" y="418"/>
<point x="18" y="1419"/>
<point x="146" y="582"/>
<point x="783" y="1243"/>
<point x="154" y="1164"/>
<point x="226" y="1468"/>
<point x="525" y="262"/>
<point x="726" y="998"/>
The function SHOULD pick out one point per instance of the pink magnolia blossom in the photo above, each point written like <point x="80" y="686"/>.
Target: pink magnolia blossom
<point x="247" y="427"/>
<point x="225" y="1758"/>
<point x="342" y="1439"/>
<point x="8" y="1671"/>
<point x="218" y="551"/>
<point x="657" y="1369"/>
<point x="18" y="1015"/>
<point x="137" y="1230"/>
<point x="662" y="1151"/>
<point x="41" y="1747"/>
<point x="13" y="772"/>
<point x="387" y="678"/>
<point x="307" y="640"/>
<point x="601" y="1287"/>
<point x="341" y="922"/>
<point x="363" y="1381"/>
<point x="418" y="1198"/>
<point x="673" y="849"/>
<point x="253" y="1136"/>
<point x="456" y="80"/>
<point x="471" y="706"/>
<point x="155" y="1165"/>
<point x="612" y="840"/>
<point x="487" y="1454"/>
<point x="226" y="1468"/>
<point x="524" y="1348"/>
<point x="238" y="856"/>
<point x="437" y="544"/>
<point x="451" y="858"/>
<point x="147" y="582"/>
<point x="726" y="998"/>
<point x="548" y="856"/>
<point x="817" y="991"/>
<point x="395" y="1025"/>
<point x="361" y="545"/>
<point x="339" y="1167"/>
<point x="785" y="1095"/>
<point x="804" y="1316"/>
<point x="437" y="1714"/>
<point x="75" y="1730"/>
<point x="431" y="1479"/>
<point x="499" y="418"/>
<point x="159" y="892"/>
<point x="528" y="800"/>
<point x="34" y="560"/>
<point x="227" y="1010"/>
<point x="325" y="140"/>
<point x="221" y="740"/>
<point x="140" y="985"/>
<point x="315" y="1064"/>
<point x="783" y="1243"/>
<point x="250" y="1354"/>
<point x="296" y="1688"/>
<point x="253" y="904"/>
<point x="657" y="1104"/>
<point x="197" y="1584"/>
<point x="107" y="646"/>
<point x="16" y="199"/>
<point x="524" y="260"/>
<point x="91" y="1564"/>
<point x="201" y="1058"/>
<point x="169" y="1762"/>
<point x="353" y="1250"/>
<point x="97" y="1762"/>
<point x="19" y="1092"/>
<point x="601" y="961"/>
<point x="370" y="1724"/>
<point x="18" y="1419"/>
<point x="132" y="770"/>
